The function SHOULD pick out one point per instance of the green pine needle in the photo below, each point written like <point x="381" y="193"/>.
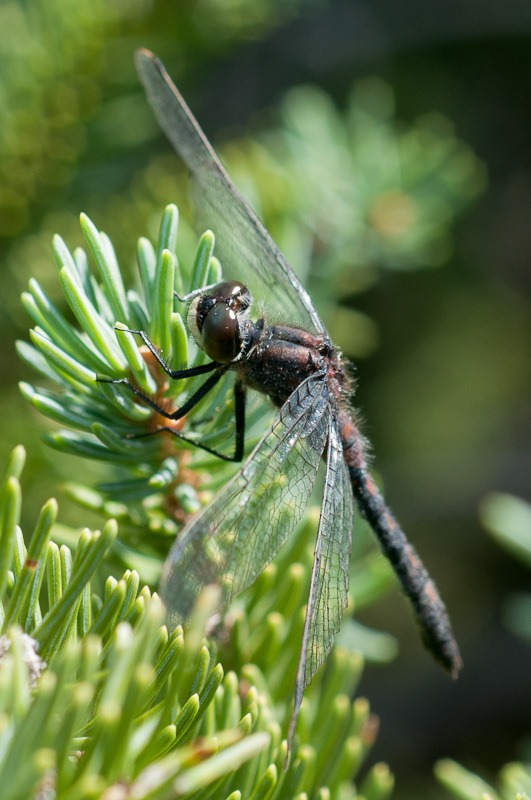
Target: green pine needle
<point x="95" y="693"/>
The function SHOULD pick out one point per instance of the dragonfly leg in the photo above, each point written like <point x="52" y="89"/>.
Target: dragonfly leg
<point x="175" y="374"/>
<point x="188" y="405"/>
<point x="218" y="372"/>
<point x="239" y="419"/>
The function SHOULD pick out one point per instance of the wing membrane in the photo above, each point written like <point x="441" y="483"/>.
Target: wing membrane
<point x="245" y="247"/>
<point x="327" y="598"/>
<point x="230" y="542"/>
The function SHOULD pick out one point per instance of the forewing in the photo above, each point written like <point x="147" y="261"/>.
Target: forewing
<point x="240" y="531"/>
<point x="327" y="598"/>
<point x="244" y="246"/>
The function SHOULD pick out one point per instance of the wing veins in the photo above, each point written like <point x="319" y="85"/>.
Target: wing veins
<point x="223" y="542"/>
<point x="327" y="596"/>
<point x="219" y="192"/>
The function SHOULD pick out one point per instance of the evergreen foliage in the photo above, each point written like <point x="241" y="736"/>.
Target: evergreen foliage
<point x="126" y="702"/>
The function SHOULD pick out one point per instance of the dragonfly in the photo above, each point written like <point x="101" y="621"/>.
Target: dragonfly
<point x="285" y="354"/>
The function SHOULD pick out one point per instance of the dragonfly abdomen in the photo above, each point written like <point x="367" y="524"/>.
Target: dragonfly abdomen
<point x="429" y="609"/>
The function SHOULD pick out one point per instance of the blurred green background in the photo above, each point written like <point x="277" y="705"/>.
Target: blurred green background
<point x="388" y="147"/>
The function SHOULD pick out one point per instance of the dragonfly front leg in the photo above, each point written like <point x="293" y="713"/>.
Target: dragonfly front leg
<point x="175" y="374"/>
<point x="218" y="371"/>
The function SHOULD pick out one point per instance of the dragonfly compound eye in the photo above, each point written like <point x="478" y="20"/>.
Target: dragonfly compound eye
<point x="220" y="334"/>
<point x="234" y="294"/>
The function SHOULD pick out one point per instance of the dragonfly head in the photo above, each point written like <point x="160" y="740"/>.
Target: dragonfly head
<point x="214" y="319"/>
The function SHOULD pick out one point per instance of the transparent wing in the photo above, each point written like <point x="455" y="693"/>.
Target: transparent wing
<point x="240" y="531"/>
<point x="245" y="248"/>
<point x="327" y="598"/>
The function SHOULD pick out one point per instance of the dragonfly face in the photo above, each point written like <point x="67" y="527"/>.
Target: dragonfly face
<point x="215" y="319"/>
<point x="294" y="363"/>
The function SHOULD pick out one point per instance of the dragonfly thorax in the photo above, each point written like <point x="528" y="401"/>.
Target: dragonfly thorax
<point x="215" y="317"/>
